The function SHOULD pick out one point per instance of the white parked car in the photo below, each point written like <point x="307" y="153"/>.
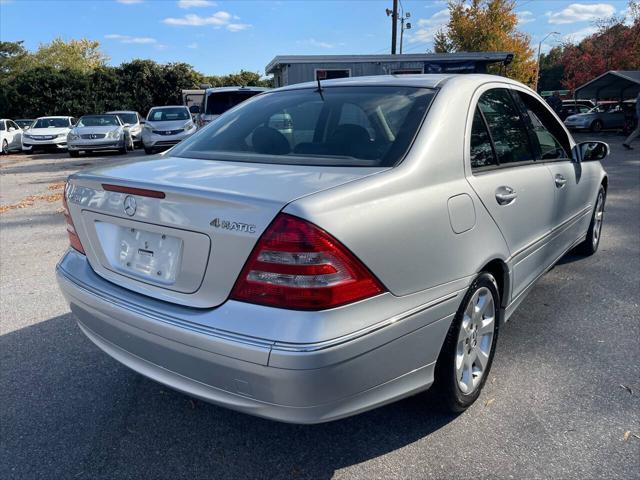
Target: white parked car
<point x="48" y="133"/>
<point x="133" y="120"/>
<point x="166" y="127"/>
<point x="10" y="136"/>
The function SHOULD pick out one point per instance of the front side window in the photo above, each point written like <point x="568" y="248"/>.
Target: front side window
<point x="49" y="122"/>
<point x="168" y="114"/>
<point x="98" y="121"/>
<point x="550" y="140"/>
<point x="508" y="131"/>
<point x="340" y="126"/>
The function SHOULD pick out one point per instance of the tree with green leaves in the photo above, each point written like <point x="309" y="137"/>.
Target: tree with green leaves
<point x="83" y="55"/>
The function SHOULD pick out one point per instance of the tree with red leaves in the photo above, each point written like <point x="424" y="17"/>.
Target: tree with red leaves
<point x="614" y="46"/>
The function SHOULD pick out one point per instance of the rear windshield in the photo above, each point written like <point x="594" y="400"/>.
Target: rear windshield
<point x="98" y="121"/>
<point x="340" y="126"/>
<point x="219" y="102"/>
<point x="168" y="114"/>
<point x="52" y="123"/>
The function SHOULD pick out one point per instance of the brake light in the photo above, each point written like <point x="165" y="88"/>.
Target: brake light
<point x="297" y="265"/>
<point x="74" y="240"/>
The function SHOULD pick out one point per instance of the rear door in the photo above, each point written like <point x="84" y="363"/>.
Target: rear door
<point x="516" y="190"/>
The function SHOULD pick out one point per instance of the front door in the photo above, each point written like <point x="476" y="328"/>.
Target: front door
<point x="516" y="190"/>
<point x="575" y="184"/>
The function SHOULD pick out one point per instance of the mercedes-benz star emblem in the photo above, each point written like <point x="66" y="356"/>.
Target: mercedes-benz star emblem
<point x="130" y="205"/>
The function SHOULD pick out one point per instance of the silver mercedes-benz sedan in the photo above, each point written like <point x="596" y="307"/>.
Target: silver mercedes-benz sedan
<point x="95" y="133"/>
<point x="371" y="250"/>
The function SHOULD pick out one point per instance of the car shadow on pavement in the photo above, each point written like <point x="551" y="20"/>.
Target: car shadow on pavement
<point x="70" y="411"/>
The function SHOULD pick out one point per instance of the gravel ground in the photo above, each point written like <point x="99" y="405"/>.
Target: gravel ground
<point x="555" y="405"/>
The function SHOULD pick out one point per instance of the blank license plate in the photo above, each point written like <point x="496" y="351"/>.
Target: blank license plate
<point x="153" y="256"/>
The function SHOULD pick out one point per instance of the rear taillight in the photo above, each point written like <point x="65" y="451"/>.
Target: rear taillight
<point x="297" y="265"/>
<point x="74" y="240"/>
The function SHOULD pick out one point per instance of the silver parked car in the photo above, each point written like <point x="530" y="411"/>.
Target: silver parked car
<point x="133" y="121"/>
<point x="372" y="251"/>
<point x="166" y="127"/>
<point x="98" y="133"/>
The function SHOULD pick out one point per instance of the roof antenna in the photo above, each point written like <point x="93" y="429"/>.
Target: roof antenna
<point x="319" y="90"/>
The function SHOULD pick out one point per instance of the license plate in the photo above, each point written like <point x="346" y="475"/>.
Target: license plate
<point x="152" y="256"/>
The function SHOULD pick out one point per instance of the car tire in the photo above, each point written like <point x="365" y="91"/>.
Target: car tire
<point x="5" y="147"/>
<point x="148" y="150"/>
<point x="460" y="373"/>
<point x="596" y="126"/>
<point x="592" y="242"/>
<point x="74" y="153"/>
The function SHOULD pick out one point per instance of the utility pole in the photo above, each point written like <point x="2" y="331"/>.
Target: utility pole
<point x="394" y="25"/>
<point x="403" y="17"/>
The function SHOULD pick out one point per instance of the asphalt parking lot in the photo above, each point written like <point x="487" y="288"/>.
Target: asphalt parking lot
<point x="562" y="401"/>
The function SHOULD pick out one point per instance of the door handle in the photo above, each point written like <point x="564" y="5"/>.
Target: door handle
<point x="505" y="195"/>
<point x="560" y="180"/>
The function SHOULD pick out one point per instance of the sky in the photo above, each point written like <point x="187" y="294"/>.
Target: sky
<point x="220" y="37"/>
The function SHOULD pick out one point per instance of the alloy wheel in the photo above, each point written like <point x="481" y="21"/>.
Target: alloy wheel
<point x="598" y="217"/>
<point x="475" y="339"/>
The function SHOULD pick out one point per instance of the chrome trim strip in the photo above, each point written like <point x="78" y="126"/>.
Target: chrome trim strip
<point x="553" y="231"/>
<point x="314" y="347"/>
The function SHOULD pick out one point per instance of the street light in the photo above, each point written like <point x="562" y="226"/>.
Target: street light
<point x="538" y="62"/>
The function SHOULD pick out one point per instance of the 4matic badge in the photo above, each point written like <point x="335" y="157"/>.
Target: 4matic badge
<point x="231" y="225"/>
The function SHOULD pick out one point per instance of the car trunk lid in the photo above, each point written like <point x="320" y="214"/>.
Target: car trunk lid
<point x="181" y="229"/>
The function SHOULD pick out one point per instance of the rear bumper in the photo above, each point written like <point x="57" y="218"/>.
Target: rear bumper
<point x="300" y="383"/>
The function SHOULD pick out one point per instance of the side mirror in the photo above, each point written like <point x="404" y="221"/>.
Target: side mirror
<point x="194" y="109"/>
<point x="12" y="129"/>
<point x="126" y="125"/>
<point x="592" y="151"/>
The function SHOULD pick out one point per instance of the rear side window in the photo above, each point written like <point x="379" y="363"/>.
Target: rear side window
<point x="220" y="102"/>
<point x="339" y="126"/>
<point x="509" y="133"/>
<point x="1" y="125"/>
<point x="482" y="154"/>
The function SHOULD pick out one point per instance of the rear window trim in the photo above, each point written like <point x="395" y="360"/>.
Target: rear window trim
<point x="331" y="161"/>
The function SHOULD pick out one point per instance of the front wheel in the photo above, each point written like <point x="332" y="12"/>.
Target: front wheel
<point x="465" y="360"/>
<point x="74" y="153"/>
<point x="591" y="243"/>
<point x="596" y="126"/>
<point x="5" y="147"/>
<point x="148" y="150"/>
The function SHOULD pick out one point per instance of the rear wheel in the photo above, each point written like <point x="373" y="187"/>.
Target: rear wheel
<point x="591" y="243"/>
<point x="596" y="126"/>
<point x="468" y="350"/>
